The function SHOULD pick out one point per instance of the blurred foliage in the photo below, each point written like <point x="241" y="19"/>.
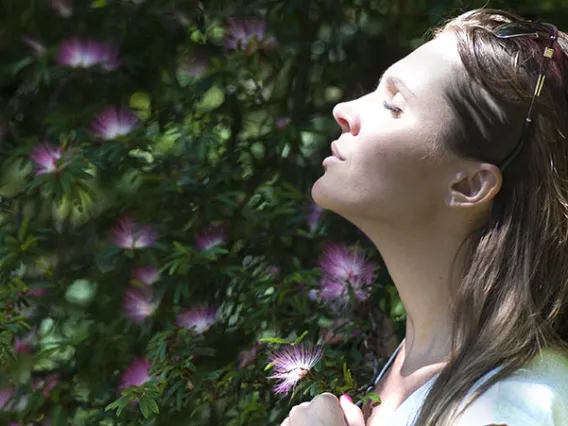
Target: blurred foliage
<point x="229" y="136"/>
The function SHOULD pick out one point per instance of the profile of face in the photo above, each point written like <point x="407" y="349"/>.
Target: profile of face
<point x="390" y="163"/>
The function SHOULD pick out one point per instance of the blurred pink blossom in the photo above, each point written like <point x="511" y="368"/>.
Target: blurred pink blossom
<point x="199" y="318"/>
<point x="86" y="53"/>
<point x="282" y="122"/>
<point x="5" y="396"/>
<point x="136" y="374"/>
<point x="131" y="235"/>
<point x="48" y="159"/>
<point x="24" y="345"/>
<point x="146" y="274"/>
<point x="210" y="238"/>
<point x="46" y="385"/>
<point x="139" y="303"/>
<point x="314" y="216"/>
<point x="114" y="122"/>
<point x="344" y="269"/>
<point x="248" y="35"/>
<point x="193" y="66"/>
<point x="247" y="357"/>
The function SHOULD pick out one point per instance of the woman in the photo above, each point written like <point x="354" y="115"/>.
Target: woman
<point x="456" y="167"/>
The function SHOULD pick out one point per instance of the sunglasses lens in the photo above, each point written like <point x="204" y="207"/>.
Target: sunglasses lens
<point x="519" y="29"/>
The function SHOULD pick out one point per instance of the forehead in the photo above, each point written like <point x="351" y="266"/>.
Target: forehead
<point x="429" y="69"/>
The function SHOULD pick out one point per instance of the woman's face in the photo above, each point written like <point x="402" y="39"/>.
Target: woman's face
<point x="392" y="164"/>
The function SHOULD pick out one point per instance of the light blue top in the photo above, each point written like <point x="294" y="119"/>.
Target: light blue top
<point x="536" y="395"/>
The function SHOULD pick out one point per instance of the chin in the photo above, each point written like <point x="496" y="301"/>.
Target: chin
<point x="327" y="195"/>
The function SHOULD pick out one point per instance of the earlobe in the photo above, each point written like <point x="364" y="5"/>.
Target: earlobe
<point x="475" y="188"/>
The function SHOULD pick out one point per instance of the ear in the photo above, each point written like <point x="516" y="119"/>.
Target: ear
<point x="476" y="186"/>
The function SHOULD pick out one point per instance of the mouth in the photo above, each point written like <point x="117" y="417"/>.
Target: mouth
<point x="335" y="152"/>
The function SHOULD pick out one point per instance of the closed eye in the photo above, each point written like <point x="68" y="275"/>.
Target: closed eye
<point x="396" y="110"/>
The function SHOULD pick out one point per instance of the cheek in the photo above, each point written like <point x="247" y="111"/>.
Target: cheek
<point x="400" y="176"/>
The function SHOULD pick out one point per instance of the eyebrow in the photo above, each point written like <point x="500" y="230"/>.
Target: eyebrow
<point x="399" y="84"/>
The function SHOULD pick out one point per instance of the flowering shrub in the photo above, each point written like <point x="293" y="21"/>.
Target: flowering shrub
<point x="161" y="261"/>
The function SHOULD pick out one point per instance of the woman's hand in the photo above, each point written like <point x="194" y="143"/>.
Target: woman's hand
<point x="325" y="410"/>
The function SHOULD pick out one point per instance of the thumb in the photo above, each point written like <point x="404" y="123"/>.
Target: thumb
<point x="353" y="414"/>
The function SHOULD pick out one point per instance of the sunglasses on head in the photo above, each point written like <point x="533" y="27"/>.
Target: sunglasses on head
<point x="534" y="30"/>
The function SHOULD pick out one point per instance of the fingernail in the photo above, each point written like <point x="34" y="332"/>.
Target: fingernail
<point x="348" y="398"/>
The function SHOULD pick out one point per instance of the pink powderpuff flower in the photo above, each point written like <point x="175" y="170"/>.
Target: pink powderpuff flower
<point x="47" y="159"/>
<point x="210" y="238"/>
<point x="199" y="319"/>
<point x="63" y="7"/>
<point x="139" y="303"/>
<point x="193" y="66"/>
<point x="337" y="292"/>
<point x="342" y="263"/>
<point x="292" y="363"/>
<point x="146" y="274"/>
<point x="136" y="374"/>
<point x="247" y="357"/>
<point x="314" y="216"/>
<point x="24" y="345"/>
<point x="5" y="396"/>
<point x="344" y="269"/>
<point x="87" y="53"/>
<point x="113" y="123"/>
<point x="128" y="234"/>
<point x="46" y="385"/>
<point x="282" y="122"/>
<point x="247" y="35"/>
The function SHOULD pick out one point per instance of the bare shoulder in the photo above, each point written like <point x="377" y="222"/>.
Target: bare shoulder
<point x="535" y="395"/>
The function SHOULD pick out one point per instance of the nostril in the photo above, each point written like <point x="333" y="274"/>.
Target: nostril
<point x="343" y="123"/>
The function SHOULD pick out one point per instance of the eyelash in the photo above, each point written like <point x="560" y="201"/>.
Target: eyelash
<point x="392" y="108"/>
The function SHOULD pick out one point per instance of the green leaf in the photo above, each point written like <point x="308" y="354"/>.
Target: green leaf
<point x="299" y="339"/>
<point x="276" y="340"/>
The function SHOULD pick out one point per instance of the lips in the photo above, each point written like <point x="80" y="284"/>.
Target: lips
<point x="335" y="152"/>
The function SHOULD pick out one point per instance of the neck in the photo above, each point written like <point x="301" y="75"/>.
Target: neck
<point x="419" y="262"/>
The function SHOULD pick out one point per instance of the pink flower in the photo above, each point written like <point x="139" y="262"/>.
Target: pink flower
<point x="139" y="303"/>
<point x="47" y="159"/>
<point x="46" y="385"/>
<point x="282" y="122"/>
<point x="193" y="66"/>
<point x="292" y="363"/>
<point x="87" y="53"/>
<point x="247" y="35"/>
<point x="37" y="47"/>
<point x="247" y="357"/>
<point x="23" y="345"/>
<point x="314" y="216"/>
<point x="272" y="271"/>
<point x="199" y="319"/>
<point x="113" y="123"/>
<point x="146" y="274"/>
<point x="130" y="235"/>
<point x="63" y="7"/>
<point x="5" y="396"/>
<point x="344" y="269"/>
<point x="136" y="374"/>
<point x="210" y="238"/>
<point x="37" y="292"/>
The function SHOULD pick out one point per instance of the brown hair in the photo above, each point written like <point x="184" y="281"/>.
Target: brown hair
<point x="512" y="292"/>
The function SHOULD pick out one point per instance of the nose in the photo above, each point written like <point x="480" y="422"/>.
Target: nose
<point x="347" y="119"/>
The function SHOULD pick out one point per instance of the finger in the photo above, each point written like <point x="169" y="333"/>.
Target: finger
<point x="353" y="414"/>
